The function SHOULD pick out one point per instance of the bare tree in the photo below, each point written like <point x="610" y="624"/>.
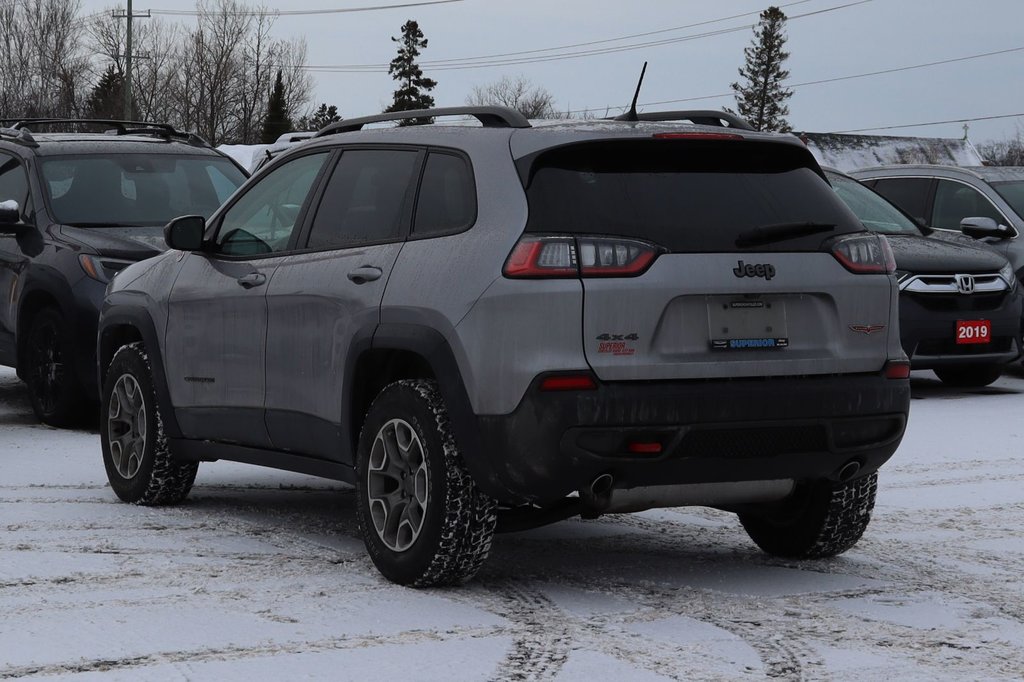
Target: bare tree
<point x="518" y="93"/>
<point x="43" y="66"/>
<point x="1008" y="152"/>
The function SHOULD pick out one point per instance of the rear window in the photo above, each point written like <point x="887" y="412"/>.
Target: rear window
<point x="686" y="196"/>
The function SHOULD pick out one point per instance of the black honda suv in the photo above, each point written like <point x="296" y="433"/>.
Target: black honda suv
<point x="75" y="208"/>
<point x="960" y="303"/>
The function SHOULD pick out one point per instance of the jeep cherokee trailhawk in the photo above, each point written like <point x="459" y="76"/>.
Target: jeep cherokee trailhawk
<point x="506" y="325"/>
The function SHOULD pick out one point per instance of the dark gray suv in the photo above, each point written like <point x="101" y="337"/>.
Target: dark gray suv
<point x="498" y="327"/>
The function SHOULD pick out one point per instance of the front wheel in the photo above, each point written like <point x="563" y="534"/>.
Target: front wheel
<point x="969" y="376"/>
<point x="135" y="453"/>
<point x="56" y="396"/>
<point x="820" y="520"/>
<point x="422" y="517"/>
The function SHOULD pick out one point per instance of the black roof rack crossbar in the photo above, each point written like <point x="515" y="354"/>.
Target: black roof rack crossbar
<point x="122" y="127"/>
<point x="489" y="117"/>
<point x="707" y="117"/>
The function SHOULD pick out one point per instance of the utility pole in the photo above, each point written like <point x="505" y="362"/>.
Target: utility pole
<point x="127" y="84"/>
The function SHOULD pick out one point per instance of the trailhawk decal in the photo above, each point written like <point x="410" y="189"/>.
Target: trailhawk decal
<point x="617" y="344"/>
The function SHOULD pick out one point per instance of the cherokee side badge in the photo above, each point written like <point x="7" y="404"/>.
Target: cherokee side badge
<point x="867" y="328"/>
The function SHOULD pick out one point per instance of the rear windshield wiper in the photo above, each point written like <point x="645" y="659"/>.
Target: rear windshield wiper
<point x="777" y="232"/>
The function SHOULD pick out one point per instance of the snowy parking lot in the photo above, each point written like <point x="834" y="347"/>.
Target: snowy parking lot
<point x="262" y="575"/>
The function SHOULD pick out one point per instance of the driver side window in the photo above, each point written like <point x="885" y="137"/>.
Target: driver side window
<point x="263" y="219"/>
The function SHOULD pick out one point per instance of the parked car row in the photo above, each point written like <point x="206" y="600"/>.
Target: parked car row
<point x="490" y="327"/>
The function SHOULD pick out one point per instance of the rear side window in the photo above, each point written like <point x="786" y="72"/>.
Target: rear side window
<point x="687" y="196"/>
<point x="365" y="199"/>
<point x="447" y="199"/>
<point x="910" y="194"/>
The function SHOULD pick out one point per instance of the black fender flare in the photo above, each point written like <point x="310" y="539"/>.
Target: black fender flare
<point x="433" y="347"/>
<point x="138" y="318"/>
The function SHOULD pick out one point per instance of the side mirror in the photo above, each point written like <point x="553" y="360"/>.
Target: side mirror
<point x="10" y="215"/>
<point x="979" y="227"/>
<point x="185" y="233"/>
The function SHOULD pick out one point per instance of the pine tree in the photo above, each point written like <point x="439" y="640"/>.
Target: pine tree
<point x="413" y="86"/>
<point x="323" y="116"/>
<point x="277" y="122"/>
<point x="105" y="100"/>
<point x="761" y="99"/>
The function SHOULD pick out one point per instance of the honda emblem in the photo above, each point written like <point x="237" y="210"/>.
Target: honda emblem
<point x="965" y="284"/>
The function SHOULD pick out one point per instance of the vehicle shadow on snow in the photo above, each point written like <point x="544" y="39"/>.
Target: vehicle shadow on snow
<point x="699" y="548"/>
<point x="924" y="384"/>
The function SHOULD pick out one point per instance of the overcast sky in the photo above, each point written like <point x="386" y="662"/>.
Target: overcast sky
<point x="869" y="36"/>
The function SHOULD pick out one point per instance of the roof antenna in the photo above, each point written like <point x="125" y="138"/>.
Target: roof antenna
<point x="631" y="114"/>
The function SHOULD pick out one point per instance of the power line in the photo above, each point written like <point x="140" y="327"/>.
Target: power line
<point x="820" y="81"/>
<point x="305" y="12"/>
<point x="934" y="123"/>
<point x="500" y="60"/>
<point x="603" y="40"/>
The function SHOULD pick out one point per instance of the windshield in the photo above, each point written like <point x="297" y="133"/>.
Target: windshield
<point x="877" y="214"/>
<point x="1013" y="194"/>
<point x="136" y="189"/>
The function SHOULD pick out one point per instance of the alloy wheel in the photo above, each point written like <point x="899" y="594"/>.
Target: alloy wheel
<point x="126" y="426"/>
<point x="397" y="485"/>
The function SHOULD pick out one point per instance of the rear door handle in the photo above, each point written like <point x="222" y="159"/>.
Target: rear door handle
<point x="365" y="274"/>
<point x="253" y="279"/>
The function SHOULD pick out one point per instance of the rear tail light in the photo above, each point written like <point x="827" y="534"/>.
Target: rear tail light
<point x="563" y="256"/>
<point x="897" y="369"/>
<point x="865" y="254"/>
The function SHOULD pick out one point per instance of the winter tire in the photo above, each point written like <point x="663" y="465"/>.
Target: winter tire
<point x="422" y="517"/>
<point x="821" y="520"/>
<point x="970" y="376"/>
<point x="53" y="388"/>
<point x="135" y="453"/>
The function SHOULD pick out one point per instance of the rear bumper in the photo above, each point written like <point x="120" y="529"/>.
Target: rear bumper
<point x="927" y="332"/>
<point x="799" y="428"/>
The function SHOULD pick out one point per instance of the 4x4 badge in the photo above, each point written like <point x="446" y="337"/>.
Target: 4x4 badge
<point x="867" y="328"/>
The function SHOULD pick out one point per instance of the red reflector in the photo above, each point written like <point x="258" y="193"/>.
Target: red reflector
<point x="575" y="382"/>
<point x="697" y="136"/>
<point x="644" y="448"/>
<point x="897" y="370"/>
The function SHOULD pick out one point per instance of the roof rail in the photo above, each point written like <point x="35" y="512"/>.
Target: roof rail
<point x="20" y="136"/>
<point x="489" y="117"/>
<point x="121" y="127"/>
<point x="706" y="117"/>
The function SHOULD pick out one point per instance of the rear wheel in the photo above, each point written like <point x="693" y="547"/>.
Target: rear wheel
<point x="422" y="517"/>
<point x="135" y="454"/>
<point x="820" y="520"/>
<point x="969" y="376"/>
<point x="56" y="396"/>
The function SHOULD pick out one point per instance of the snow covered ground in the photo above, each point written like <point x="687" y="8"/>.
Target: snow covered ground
<point x="262" y="575"/>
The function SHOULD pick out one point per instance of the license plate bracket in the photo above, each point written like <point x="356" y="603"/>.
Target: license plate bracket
<point x="738" y="323"/>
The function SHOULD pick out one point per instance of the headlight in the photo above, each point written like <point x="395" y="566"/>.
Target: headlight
<point x="1006" y="272"/>
<point x="102" y="269"/>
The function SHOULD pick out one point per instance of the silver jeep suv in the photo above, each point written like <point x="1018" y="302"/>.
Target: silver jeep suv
<point x="497" y="327"/>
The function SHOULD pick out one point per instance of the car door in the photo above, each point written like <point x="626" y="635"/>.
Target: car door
<point x="215" y="342"/>
<point x="325" y="302"/>
<point x="14" y="253"/>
